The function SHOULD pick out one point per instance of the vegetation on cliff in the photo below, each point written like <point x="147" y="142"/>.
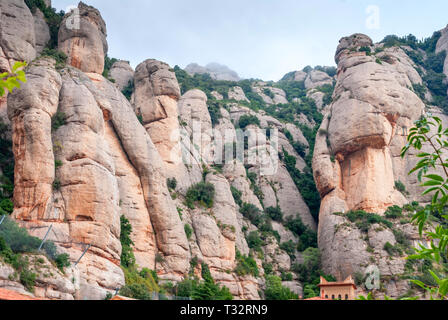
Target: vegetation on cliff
<point x="430" y="132"/>
<point x="52" y="18"/>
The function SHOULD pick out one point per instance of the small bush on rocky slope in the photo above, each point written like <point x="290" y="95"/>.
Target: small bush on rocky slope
<point x="308" y="238"/>
<point x="237" y="194"/>
<point x="139" y="284"/>
<point x="15" y="241"/>
<point x="275" y="214"/>
<point x="275" y="290"/>
<point x="202" y="290"/>
<point x="246" y="265"/>
<point x="364" y="220"/>
<point x="127" y="255"/>
<point x="58" y="56"/>
<point x="247" y="120"/>
<point x="108" y="63"/>
<point x="202" y="193"/>
<point x="310" y="272"/>
<point x="128" y="90"/>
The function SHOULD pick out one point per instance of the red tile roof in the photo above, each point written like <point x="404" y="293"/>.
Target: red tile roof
<point x="6" y="294"/>
<point x="347" y="282"/>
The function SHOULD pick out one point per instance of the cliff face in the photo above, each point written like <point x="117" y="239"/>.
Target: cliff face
<point x="357" y="162"/>
<point x="85" y="156"/>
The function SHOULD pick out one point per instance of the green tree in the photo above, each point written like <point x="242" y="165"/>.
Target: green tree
<point x="429" y="132"/>
<point x="10" y="80"/>
<point x="275" y="290"/>
<point x="127" y="255"/>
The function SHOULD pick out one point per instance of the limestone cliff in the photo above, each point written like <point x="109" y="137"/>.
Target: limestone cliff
<point x="357" y="164"/>
<point x="318" y="151"/>
<point x="85" y="156"/>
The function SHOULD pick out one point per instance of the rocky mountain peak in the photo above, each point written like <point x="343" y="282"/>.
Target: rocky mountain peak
<point x="82" y="37"/>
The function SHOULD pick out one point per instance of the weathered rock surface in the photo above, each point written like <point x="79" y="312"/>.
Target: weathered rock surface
<point x="41" y="30"/>
<point x="122" y="73"/>
<point x="317" y="79"/>
<point x="83" y="39"/>
<point x="270" y="95"/>
<point x="358" y="148"/>
<point x="236" y="93"/>
<point x="442" y="45"/>
<point x="17" y="36"/>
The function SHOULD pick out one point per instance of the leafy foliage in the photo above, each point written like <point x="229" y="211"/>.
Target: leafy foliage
<point x="188" y="231"/>
<point x="139" y="285"/>
<point x="128" y="90"/>
<point x="214" y="108"/>
<point x="429" y="131"/>
<point x="203" y="290"/>
<point x="275" y="290"/>
<point x="58" y="56"/>
<point x="254" y="241"/>
<point x="246" y="265"/>
<point x="252" y="213"/>
<point x="58" y="120"/>
<point x="15" y="241"/>
<point x="308" y="238"/>
<point x="108" y="63"/>
<point x="203" y="193"/>
<point x="275" y="214"/>
<point x="237" y="194"/>
<point x="310" y="272"/>
<point x="127" y="255"/>
<point x="247" y="120"/>
<point x="289" y="247"/>
<point x="62" y="261"/>
<point x="171" y="183"/>
<point x="428" y="44"/>
<point x="10" y="81"/>
<point x="305" y="183"/>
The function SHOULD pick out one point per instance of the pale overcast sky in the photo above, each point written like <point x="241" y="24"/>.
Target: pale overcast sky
<point x="262" y="39"/>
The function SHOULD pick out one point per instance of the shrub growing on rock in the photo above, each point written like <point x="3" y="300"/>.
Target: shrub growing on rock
<point x="188" y="231"/>
<point x="202" y="193"/>
<point x="246" y="265"/>
<point x="252" y="213"/>
<point x="237" y="194"/>
<point x="247" y="120"/>
<point x="275" y="290"/>
<point x="275" y="214"/>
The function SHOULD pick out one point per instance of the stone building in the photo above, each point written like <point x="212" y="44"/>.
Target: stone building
<point x="344" y="290"/>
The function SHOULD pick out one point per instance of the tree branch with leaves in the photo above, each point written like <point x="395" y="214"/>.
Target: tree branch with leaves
<point x="429" y="132"/>
<point x="10" y="80"/>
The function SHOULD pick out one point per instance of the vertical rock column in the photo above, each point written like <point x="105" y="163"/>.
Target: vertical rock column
<point x="356" y="159"/>
<point x="30" y="110"/>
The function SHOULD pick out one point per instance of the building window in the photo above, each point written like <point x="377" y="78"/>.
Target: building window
<point x="332" y="297"/>
<point x="340" y="297"/>
<point x="326" y="296"/>
<point x="346" y="297"/>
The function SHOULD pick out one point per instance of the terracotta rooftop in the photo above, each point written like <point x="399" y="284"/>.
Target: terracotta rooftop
<point x="6" y="294"/>
<point x="347" y="282"/>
